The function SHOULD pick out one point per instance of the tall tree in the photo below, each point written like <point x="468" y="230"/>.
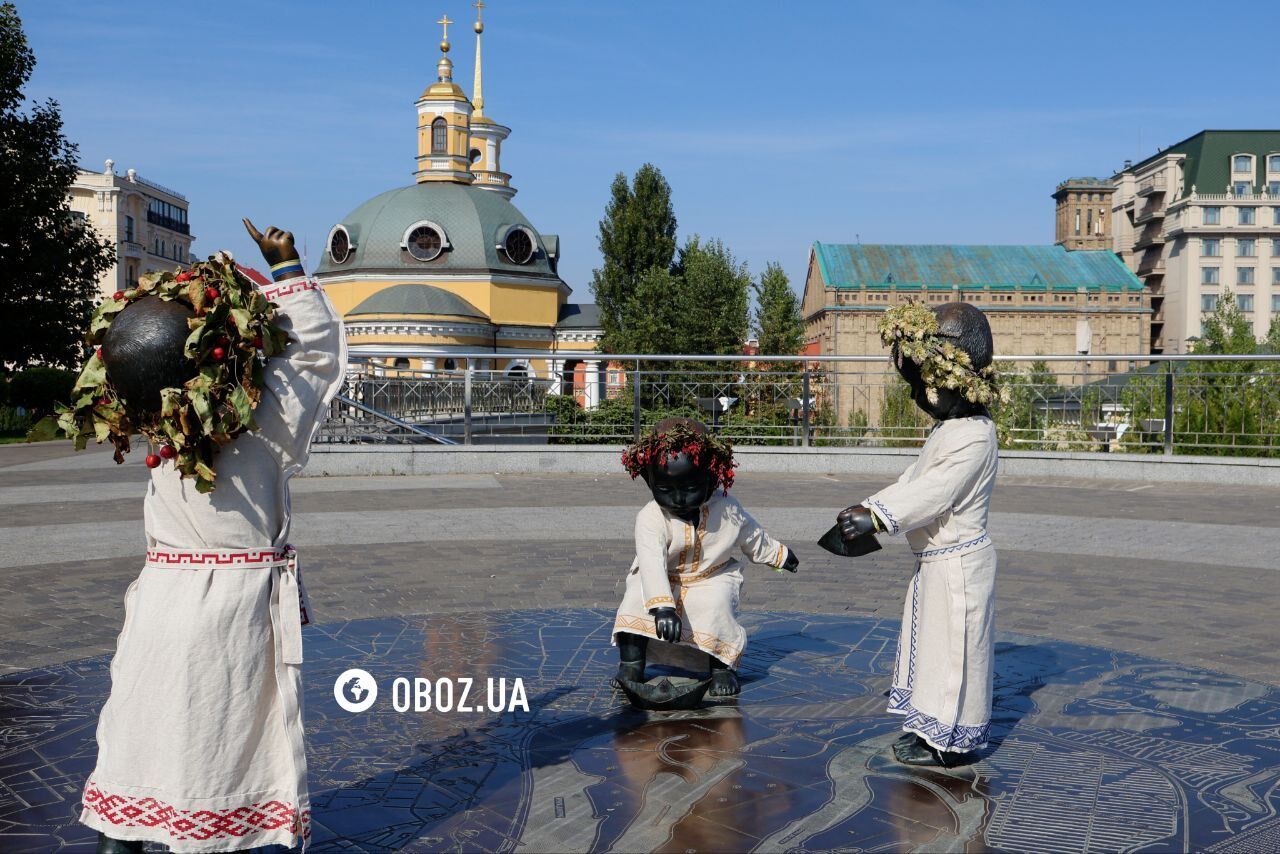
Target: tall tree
<point x="778" y="323"/>
<point x="637" y="234"/>
<point x="50" y="258"/>
<point x="655" y="313"/>
<point x="1226" y="330"/>
<point x="714" y="299"/>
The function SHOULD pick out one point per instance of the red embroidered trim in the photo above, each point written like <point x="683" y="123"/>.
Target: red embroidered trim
<point x="199" y="825"/>
<point x="252" y="557"/>
<point x="294" y="287"/>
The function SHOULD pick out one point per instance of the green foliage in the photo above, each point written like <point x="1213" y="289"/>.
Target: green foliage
<point x="778" y="323"/>
<point x="1021" y="416"/>
<point x="38" y="390"/>
<point x="611" y="421"/>
<point x="637" y="234"/>
<point x="50" y="258"/>
<point x="655" y="314"/>
<point x="713" y="300"/>
<point x="901" y="421"/>
<point x="13" y="425"/>
<point x="1226" y="330"/>
<point x="1226" y="407"/>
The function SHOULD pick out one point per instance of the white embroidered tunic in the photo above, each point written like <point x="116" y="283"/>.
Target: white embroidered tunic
<point x="943" y="677"/>
<point x="697" y="571"/>
<point x="200" y="742"/>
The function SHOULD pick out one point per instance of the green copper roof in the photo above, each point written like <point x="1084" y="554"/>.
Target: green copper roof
<point x="1208" y="158"/>
<point x="416" y="300"/>
<point x="938" y="267"/>
<point x="474" y="222"/>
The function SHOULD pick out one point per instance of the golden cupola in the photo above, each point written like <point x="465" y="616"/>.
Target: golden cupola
<point x="444" y="124"/>
<point x="487" y="135"/>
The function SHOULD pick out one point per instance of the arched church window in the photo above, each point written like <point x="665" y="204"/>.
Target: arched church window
<point x="401" y="363"/>
<point x="450" y="365"/>
<point x="439" y="136"/>
<point x="475" y="155"/>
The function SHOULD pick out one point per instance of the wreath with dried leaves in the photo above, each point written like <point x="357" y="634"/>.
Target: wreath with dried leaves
<point x="912" y="331"/>
<point x="705" y="450"/>
<point x="233" y="334"/>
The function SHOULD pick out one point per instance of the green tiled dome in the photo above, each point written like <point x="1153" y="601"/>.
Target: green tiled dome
<point x="415" y="300"/>
<point x="474" y="221"/>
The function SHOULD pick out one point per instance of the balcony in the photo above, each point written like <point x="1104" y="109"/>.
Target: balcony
<point x="1151" y="186"/>
<point x="1150" y="212"/>
<point x="131" y="249"/>
<point x="1152" y="235"/>
<point x="168" y="222"/>
<point x="1152" y="264"/>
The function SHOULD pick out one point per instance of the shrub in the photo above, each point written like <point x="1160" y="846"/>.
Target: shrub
<point x="38" y="389"/>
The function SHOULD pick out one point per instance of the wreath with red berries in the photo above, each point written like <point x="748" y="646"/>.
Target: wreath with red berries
<point x="233" y="334"/>
<point x="705" y="450"/>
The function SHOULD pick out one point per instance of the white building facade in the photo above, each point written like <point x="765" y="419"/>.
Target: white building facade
<point x="145" y="221"/>
<point x="1197" y="218"/>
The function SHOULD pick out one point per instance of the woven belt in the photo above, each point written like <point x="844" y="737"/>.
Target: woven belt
<point x="290" y="609"/>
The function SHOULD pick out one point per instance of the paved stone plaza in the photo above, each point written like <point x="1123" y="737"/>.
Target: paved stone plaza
<point x="1137" y="669"/>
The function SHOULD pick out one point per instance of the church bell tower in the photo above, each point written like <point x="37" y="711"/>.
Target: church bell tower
<point x="487" y="135"/>
<point x="444" y="124"/>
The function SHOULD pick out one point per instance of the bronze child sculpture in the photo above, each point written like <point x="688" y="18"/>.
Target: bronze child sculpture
<point x="682" y="589"/>
<point x="200" y="743"/>
<point x="943" y="676"/>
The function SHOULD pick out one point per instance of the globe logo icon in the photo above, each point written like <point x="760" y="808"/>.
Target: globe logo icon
<point x="355" y="690"/>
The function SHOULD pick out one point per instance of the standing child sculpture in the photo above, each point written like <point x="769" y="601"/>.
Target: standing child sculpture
<point x="682" y="589"/>
<point x="942" y="680"/>
<point x="200" y="743"/>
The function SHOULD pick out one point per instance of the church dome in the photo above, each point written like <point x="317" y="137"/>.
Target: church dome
<point x="434" y="227"/>
<point x="415" y="300"/>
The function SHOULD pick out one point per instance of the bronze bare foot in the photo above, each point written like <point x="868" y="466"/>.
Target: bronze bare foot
<point x="724" y="683"/>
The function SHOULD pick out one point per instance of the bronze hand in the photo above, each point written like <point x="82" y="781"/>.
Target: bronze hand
<point x="276" y="244"/>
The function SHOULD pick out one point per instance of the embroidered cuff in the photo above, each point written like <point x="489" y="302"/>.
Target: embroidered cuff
<point x="660" y="602"/>
<point x="289" y="287"/>
<point x="887" y="521"/>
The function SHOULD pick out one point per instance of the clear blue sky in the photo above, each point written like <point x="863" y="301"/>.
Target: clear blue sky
<point x="777" y="124"/>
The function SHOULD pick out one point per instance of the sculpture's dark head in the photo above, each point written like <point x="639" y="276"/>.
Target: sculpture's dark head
<point x="678" y="484"/>
<point x="143" y="352"/>
<point x="968" y="329"/>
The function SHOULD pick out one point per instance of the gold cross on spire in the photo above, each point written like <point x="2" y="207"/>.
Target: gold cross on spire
<point x="445" y="22"/>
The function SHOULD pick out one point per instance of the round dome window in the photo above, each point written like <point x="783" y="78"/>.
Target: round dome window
<point x="339" y="245"/>
<point x="425" y="243"/>
<point x="518" y="244"/>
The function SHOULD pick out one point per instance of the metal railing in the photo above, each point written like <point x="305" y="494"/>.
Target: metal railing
<point x="352" y="423"/>
<point x="1215" y="405"/>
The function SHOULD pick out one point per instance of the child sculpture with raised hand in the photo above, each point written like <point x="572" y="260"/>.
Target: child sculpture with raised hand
<point x="200" y="743"/>
<point x="683" y="586"/>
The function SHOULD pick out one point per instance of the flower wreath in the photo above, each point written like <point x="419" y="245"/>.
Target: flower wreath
<point x="707" y="452"/>
<point x="911" y="329"/>
<point x="233" y="333"/>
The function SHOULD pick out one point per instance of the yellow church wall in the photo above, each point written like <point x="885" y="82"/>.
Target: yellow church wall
<point x="479" y="342"/>
<point x="531" y="306"/>
<point x="576" y="347"/>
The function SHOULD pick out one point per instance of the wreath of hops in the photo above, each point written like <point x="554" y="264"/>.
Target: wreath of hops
<point x="233" y="334"/>
<point x="707" y="452"/>
<point x="911" y="329"/>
